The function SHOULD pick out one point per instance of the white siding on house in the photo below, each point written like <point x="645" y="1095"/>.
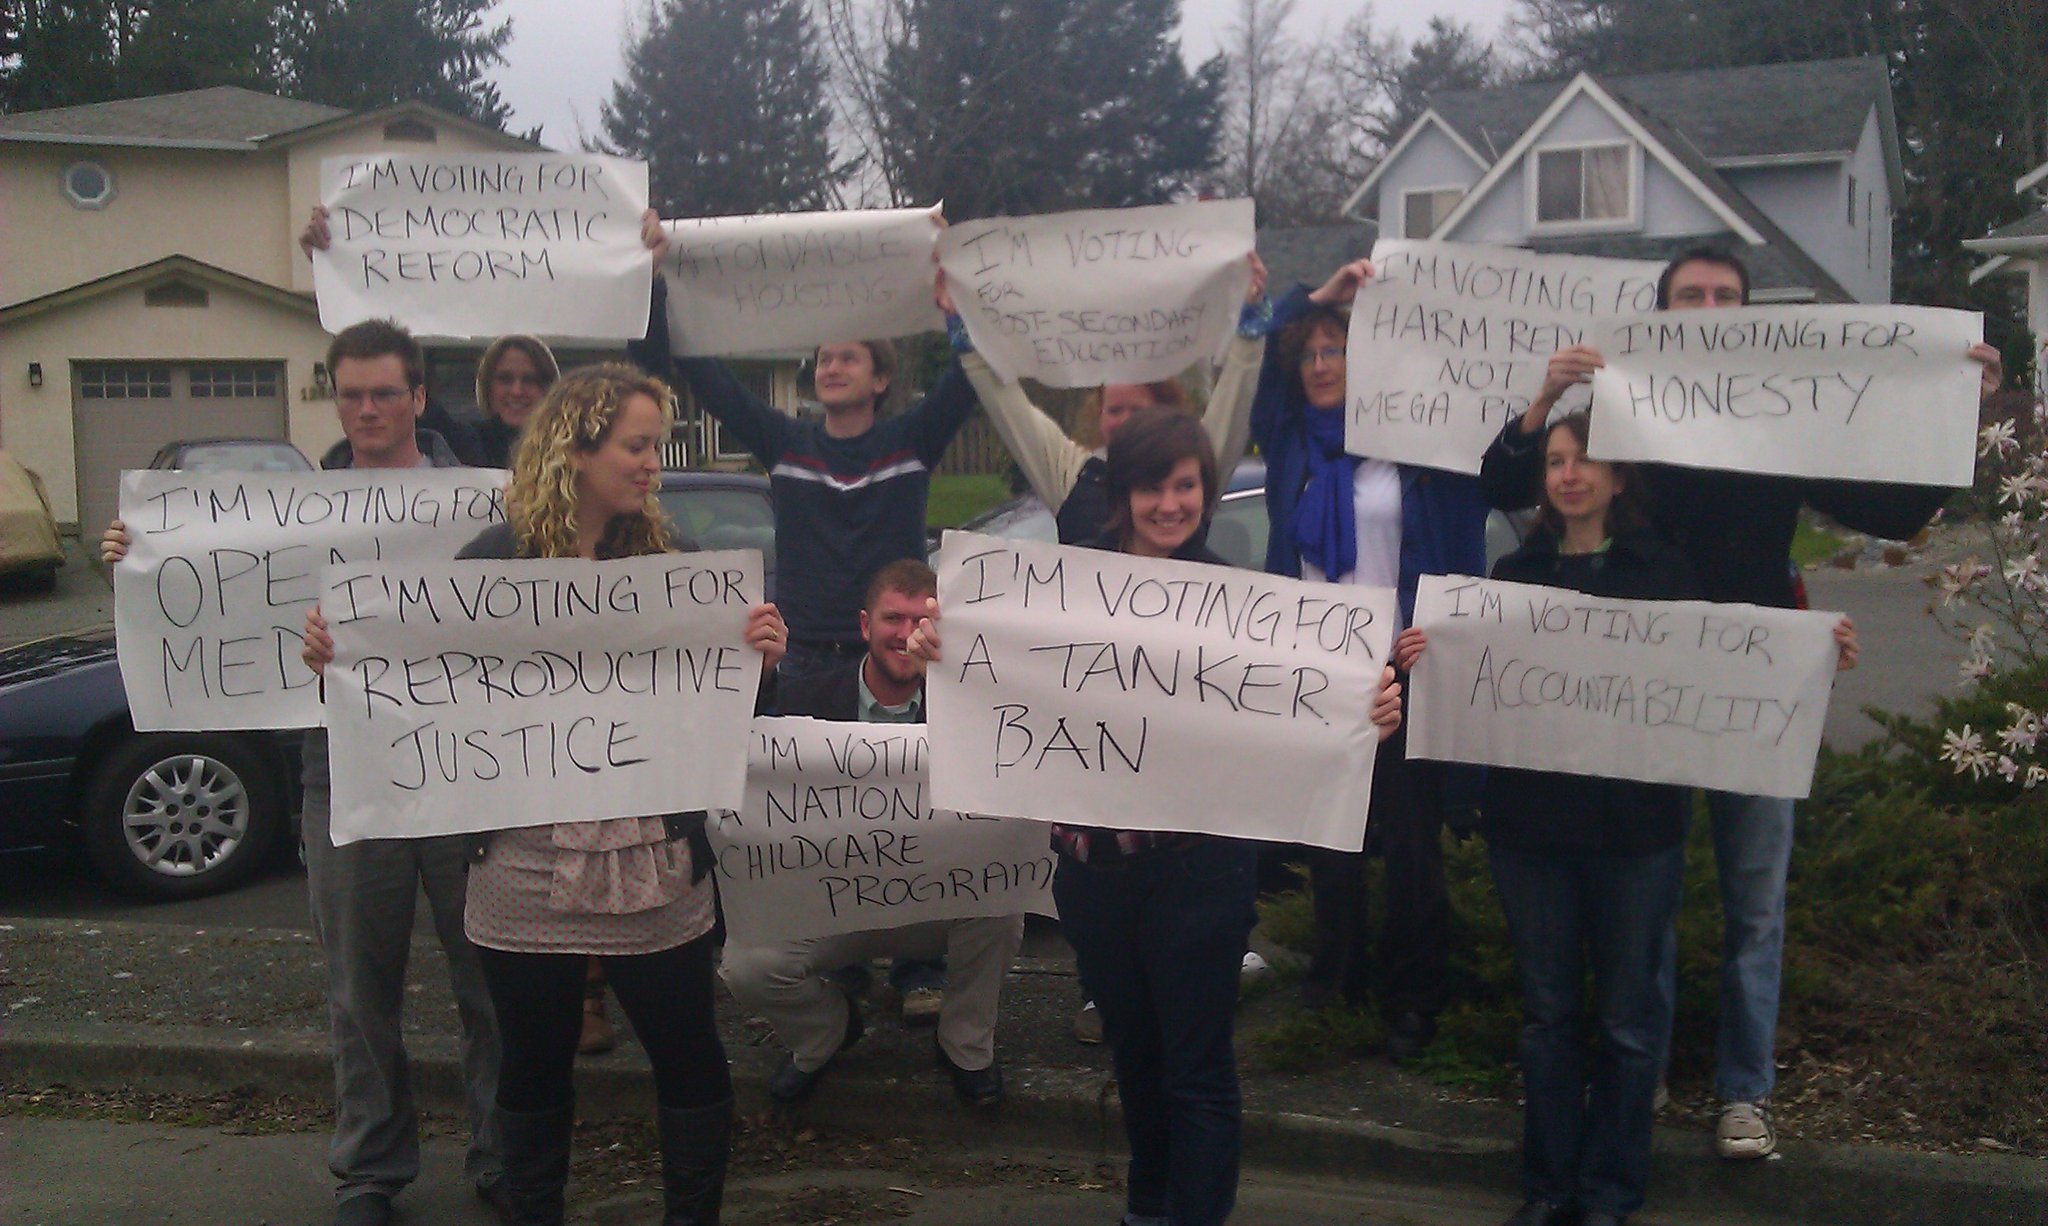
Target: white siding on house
<point x="1669" y="208"/>
<point x="1432" y="160"/>
<point x="1810" y="203"/>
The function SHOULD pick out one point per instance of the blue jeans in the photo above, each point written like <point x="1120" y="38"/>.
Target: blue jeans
<point x="1160" y="938"/>
<point x="1592" y="1148"/>
<point x="1752" y="854"/>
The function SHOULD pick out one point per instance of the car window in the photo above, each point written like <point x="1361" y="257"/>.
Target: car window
<point x="1238" y="531"/>
<point x="724" y="518"/>
<point x="241" y="458"/>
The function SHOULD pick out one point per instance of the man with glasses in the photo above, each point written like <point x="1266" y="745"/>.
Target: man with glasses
<point x="1736" y="530"/>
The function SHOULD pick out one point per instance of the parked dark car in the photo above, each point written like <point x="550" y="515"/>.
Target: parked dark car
<point x="722" y="510"/>
<point x="1238" y="532"/>
<point x="168" y="815"/>
<point x="161" y="815"/>
<point x="231" y="455"/>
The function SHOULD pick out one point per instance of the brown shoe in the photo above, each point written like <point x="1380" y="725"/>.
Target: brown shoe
<point x="598" y="1037"/>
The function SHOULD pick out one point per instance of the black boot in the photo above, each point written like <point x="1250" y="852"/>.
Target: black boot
<point x="695" y="1145"/>
<point x="536" y="1163"/>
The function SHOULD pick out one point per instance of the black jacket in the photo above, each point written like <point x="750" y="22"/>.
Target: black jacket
<point x="833" y="695"/>
<point x="1735" y="528"/>
<point x="1550" y="811"/>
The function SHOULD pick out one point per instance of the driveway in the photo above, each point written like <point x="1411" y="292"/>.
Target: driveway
<point x="83" y="597"/>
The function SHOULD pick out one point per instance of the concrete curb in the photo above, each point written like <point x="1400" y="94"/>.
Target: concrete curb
<point x="1067" y="1110"/>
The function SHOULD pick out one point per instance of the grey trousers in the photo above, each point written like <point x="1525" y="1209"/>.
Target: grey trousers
<point x="781" y="983"/>
<point x="362" y="898"/>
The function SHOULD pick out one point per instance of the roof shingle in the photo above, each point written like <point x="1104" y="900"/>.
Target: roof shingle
<point x="222" y="115"/>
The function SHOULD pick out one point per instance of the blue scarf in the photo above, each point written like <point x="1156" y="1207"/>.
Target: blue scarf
<point x="1325" y="524"/>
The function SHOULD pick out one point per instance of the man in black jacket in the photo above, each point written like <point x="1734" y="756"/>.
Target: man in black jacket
<point x="1736" y="530"/>
<point x="782" y="981"/>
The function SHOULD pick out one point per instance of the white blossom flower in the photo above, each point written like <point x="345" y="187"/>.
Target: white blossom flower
<point x="2036" y="775"/>
<point x="1996" y="437"/>
<point x="1966" y="750"/>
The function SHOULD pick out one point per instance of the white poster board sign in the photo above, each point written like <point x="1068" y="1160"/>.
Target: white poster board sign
<point x="476" y="245"/>
<point x="1863" y="393"/>
<point x="1449" y="341"/>
<point x="1727" y="696"/>
<point x="1104" y="689"/>
<point x="839" y="835"/>
<point x="490" y="695"/>
<point x="1104" y="295"/>
<point x="210" y="603"/>
<point x="794" y="281"/>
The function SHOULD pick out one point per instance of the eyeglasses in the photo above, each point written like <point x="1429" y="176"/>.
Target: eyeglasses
<point x="1310" y="358"/>
<point x="383" y="397"/>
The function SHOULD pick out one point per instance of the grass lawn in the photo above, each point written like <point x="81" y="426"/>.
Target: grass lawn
<point x="1811" y="544"/>
<point x="955" y="500"/>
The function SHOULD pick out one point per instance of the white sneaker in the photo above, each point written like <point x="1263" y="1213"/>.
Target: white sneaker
<point x="1745" y="1131"/>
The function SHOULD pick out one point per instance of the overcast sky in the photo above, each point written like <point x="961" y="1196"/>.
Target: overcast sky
<point x="564" y="54"/>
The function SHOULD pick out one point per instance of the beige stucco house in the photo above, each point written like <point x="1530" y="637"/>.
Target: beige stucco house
<point x="150" y="284"/>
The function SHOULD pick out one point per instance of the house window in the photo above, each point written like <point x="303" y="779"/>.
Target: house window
<point x="1422" y="211"/>
<point x="123" y="381"/>
<point x="1852" y="202"/>
<point x="1588" y="184"/>
<point x="234" y="381"/>
<point x="174" y="294"/>
<point x="88" y="185"/>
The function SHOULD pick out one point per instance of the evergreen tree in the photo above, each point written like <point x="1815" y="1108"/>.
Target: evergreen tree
<point x="363" y="54"/>
<point x="725" y="100"/>
<point x="1024" y="106"/>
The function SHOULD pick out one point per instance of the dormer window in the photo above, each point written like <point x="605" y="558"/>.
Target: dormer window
<point x="1424" y="209"/>
<point x="1588" y="187"/>
<point x="410" y="129"/>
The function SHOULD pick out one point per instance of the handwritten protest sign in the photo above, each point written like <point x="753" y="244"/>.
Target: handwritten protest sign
<point x="210" y="603"/>
<point x="1729" y="696"/>
<point x="798" y="280"/>
<point x="1101" y="296"/>
<point x="488" y="695"/>
<point x="1106" y="689"/>
<point x="839" y="835"/>
<point x="1450" y="340"/>
<point x="481" y="244"/>
<point x="1867" y="393"/>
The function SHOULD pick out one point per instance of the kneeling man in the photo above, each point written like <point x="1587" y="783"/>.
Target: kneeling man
<point x="783" y="982"/>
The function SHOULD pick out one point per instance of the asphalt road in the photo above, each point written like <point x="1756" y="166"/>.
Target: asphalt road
<point x="94" y="1171"/>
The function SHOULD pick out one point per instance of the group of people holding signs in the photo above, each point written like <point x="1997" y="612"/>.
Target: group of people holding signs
<point x="591" y="739"/>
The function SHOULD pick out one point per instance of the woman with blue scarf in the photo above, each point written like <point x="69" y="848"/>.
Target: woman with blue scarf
<point x="1347" y="519"/>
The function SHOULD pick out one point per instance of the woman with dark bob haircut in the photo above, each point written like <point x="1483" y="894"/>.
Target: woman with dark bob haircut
<point x="1159" y="921"/>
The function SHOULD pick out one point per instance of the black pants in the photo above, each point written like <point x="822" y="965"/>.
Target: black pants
<point x="539" y="1002"/>
<point x="1405" y="828"/>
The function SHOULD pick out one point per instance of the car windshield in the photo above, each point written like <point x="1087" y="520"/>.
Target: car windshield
<point x="242" y="458"/>
<point x="722" y="517"/>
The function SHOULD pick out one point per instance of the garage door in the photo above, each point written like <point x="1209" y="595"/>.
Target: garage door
<point x="123" y="411"/>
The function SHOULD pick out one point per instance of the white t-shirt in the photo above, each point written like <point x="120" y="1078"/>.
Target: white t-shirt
<point x="1376" y="502"/>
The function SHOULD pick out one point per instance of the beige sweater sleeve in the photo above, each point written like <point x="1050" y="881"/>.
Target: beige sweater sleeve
<point x="1051" y="461"/>
<point x="1228" y="418"/>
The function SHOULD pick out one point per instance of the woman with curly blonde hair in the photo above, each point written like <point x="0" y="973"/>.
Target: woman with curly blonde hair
<point x="632" y="892"/>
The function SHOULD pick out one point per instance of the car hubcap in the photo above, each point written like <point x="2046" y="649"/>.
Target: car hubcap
<point x="185" y="815"/>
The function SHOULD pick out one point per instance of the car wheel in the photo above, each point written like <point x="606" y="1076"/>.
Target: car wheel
<point x="172" y="815"/>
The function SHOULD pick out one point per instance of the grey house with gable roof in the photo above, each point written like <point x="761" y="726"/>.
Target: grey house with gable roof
<point x="1794" y="167"/>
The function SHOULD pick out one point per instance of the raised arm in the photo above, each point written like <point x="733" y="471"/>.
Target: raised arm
<point x="1228" y="419"/>
<point x="1051" y="461"/>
